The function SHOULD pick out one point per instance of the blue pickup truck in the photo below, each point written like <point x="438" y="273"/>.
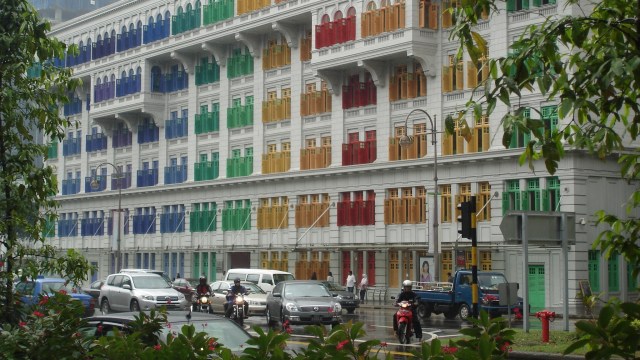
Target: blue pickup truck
<point x="30" y="290"/>
<point x="454" y="299"/>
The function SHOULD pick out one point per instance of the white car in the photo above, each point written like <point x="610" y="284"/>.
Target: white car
<point x="139" y="291"/>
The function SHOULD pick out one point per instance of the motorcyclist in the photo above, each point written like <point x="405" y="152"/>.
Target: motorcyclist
<point x="231" y="297"/>
<point x="202" y="289"/>
<point x="409" y="295"/>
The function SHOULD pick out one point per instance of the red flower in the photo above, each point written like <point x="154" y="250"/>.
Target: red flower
<point x="63" y="291"/>
<point x="157" y="347"/>
<point x="289" y="330"/>
<point x="44" y="300"/>
<point x="168" y="325"/>
<point x="506" y="347"/>
<point x="38" y="313"/>
<point x="449" y="349"/>
<point x="341" y="344"/>
<point x="383" y="344"/>
<point x="22" y="324"/>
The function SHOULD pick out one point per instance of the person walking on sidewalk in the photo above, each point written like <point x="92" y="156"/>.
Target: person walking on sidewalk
<point x="351" y="282"/>
<point x="330" y="277"/>
<point x="364" y="285"/>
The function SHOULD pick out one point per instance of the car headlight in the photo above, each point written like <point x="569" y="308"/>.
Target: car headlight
<point x="337" y="307"/>
<point x="339" y="297"/>
<point x="292" y="307"/>
<point x="147" y="297"/>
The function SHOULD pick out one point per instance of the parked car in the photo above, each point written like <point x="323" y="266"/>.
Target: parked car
<point x="30" y="291"/>
<point x="94" y="289"/>
<point x="265" y="278"/>
<point x="158" y="272"/>
<point x="139" y="291"/>
<point x="257" y="298"/>
<point x="347" y="299"/>
<point x="225" y="331"/>
<point x="184" y="286"/>
<point x="302" y="302"/>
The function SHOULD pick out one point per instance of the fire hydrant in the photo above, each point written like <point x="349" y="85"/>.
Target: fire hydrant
<point x="545" y="316"/>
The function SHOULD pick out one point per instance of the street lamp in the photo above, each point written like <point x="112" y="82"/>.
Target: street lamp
<point x="95" y="184"/>
<point x="407" y="140"/>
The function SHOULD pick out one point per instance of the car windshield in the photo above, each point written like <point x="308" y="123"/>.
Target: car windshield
<point x="52" y="287"/>
<point x="333" y="286"/>
<point x="225" y="333"/>
<point x="282" y="277"/>
<point x="150" y="282"/>
<point x="306" y="290"/>
<point x="253" y="288"/>
<point x="490" y="281"/>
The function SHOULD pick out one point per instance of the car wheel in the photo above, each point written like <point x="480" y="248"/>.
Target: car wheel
<point x="270" y="321"/>
<point x="351" y="310"/>
<point x="423" y="311"/>
<point x="464" y="311"/>
<point x="134" y="305"/>
<point x="104" y="307"/>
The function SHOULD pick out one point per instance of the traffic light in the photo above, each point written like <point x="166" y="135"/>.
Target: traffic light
<point x="465" y="219"/>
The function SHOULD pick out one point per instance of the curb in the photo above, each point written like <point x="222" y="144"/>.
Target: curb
<point x="540" y="355"/>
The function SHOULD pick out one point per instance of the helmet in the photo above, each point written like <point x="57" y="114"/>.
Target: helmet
<point x="407" y="283"/>
<point x="203" y="279"/>
<point x="236" y="281"/>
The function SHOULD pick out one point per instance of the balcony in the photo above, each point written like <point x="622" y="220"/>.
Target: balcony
<point x="239" y="65"/>
<point x="128" y="85"/>
<point x="157" y="31"/>
<point x="207" y="73"/>
<point x="217" y="11"/>
<point x="336" y="32"/>
<point x="104" y="91"/>
<point x="208" y="170"/>
<point x="73" y="108"/>
<point x="246" y="6"/>
<point x="176" y="128"/>
<point x="68" y="228"/>
<point x="417" y="149"/>
<point x="71" y="147"/>
<point x="237" y="167"/>
<point x="172" y="222"/>
<point x="128" y="40"/>
<point x="148" y="133"/>
<point x="148" y="177"/>
<point x="144" y="224"/>
<point x="92" y="227"/>
<point x="125" y="181"/>
<point x="70" y="186"/>
<point x="96" y="142"/>
<point x="276" y="110"/>
<point x="104" y="47"/>
<point x="240" y="116"/>
<point x="175" y="174"/>
<point x="121" y="138"/>
<point x="236" y="219"/>
<point x="276" y="56"/>
<point x="273" y="217"/>
<point x="356" y="213"/>
<point x="315" y="158"/>
<point x="386" y="19"/>
<point x="52" y="150"/>
<point x="101" y="180"/>
<point x="406" y="210"/>
<point x="359" y="94"/>
<point x="207" y="122"/>
<point x="185" y="21"/>
<point x="307" y="214"/>
<point x="203" y="220"/>
<point x="276" y="162"/>
<point x="315" y="102"/>
<point x="359" y="152"/>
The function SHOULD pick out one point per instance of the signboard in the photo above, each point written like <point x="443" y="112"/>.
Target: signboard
<point x="543" y="228"/>
<point x="585" y="288"/>
<point x="508" y="293"/>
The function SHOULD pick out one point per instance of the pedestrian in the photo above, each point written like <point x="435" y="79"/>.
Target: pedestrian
<point x="364" y="285"/>
<point x="314" y="276"/>
<point x="330" y="277"/>
<point x="351" y="282"/>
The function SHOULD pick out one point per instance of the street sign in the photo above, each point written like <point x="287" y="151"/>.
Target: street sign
<point x="543" y="228"/>
<point x="508" y="293"/>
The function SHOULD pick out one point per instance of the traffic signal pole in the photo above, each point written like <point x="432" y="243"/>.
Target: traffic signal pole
<point x="474" y="259"/>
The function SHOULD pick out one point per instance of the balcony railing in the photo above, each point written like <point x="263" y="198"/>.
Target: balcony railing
<point x="240" y="116"/>
<point x="203" y="221"/>
<point x="96" y="142"/>
<point x="207" y="73"/>
<point x="147" y="177"/>
<point x="359" y="94"/>
<point x="336" y="32"/>
<point x="176" y="128"/>
<point x="276" y="162"/>
<point x="315" y="102"/>
<point x="217" y="11"/>
<point x="406" y="210"/>
<point x="315" y="158"/>
<point x="275" y="56"/>
<point x="239" y="65"/>
<point x="273" y="217"/>
<point x="276" y="110"/>
<point x="100" y="179"/>
<point x="73" y="107"/>
<point x="121" y="138"/>
<point x="125" y="181"/>
<point x="417" y="148"/>
<point x="356" y="213"/>
<point x="129" y="40"/>
<point x="71" y="147"/>
<point x="175" y="174"/>
<point x="207" y="122"/>
<point x="148" y="133"/>
<point x="307" y="214"/>
<point x="172" y="222"/>
<point x="242" y="166"/>
<point x="92" y="227"/>
<point x="236" y="219"/>
<point x="185" y="21"/>
<point x="68" y="228"/>
<point x="208" y="170"/>
<point x="359" y="152"/>
<point x="144" y="224"/>
<point x="157" y="31"/>
<point x="104" y="91"/>
<point x="70" y="186"/>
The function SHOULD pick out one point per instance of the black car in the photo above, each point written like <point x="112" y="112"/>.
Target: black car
<point x="225" y="331"/>
<point x="302" y="302"/>
<point x="347" y="299"/>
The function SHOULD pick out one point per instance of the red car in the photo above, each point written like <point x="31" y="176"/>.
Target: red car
<point x="184" y="286"/>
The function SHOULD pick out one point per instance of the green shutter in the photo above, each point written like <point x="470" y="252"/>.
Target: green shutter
<point x="525" y="4"/>
<point x="537" y="2"/>
<point x="505" y="202"/>
<point x="524" y="204"/>
<point x="594" y="270"/>
<point x="546" y="206"/>
<point x="613" y="266"/>
<point x="511" y="5"/>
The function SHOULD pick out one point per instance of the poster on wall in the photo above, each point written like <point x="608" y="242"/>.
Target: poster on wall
<point x="424" y="270"/>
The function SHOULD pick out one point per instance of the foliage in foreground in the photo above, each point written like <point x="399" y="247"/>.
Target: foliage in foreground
<point x="29" y="106"/>
<point x="588" y="63"/>
<point x="54" y="326"/>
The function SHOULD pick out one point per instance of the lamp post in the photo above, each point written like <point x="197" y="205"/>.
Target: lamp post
<point x="407" y="140"/>
<point x="95" y="185"/>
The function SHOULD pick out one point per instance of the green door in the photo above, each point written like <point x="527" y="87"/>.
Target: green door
<point x="536" y="288"/>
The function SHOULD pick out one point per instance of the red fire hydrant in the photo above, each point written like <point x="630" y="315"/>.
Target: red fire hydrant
<point x="545" y="316"/>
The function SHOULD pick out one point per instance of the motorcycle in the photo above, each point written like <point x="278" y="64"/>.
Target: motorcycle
<point x="404" y="317"/>
<point x="237" y="314"/>
<point x="203" y="303"/>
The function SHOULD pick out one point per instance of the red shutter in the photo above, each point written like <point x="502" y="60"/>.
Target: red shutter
<point x="319" y="42"/>
<point x="346" y="155"/>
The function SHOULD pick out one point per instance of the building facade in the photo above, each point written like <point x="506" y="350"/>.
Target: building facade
<point x="267" y="134"/>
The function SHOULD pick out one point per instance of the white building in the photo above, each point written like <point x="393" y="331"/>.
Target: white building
<point x="253" y="134"/>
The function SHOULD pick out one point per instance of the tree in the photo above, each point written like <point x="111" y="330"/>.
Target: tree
<point x="590" y="65"/>
<point x="29" y="106"/>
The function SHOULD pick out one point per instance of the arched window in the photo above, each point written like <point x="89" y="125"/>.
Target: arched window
<point x="384" y="3"/>
<point x="123" y="30"/>
<point x="99" y="38"/>
<point x="113" y="77"/>
<point x="159" y="18"/>
<point x="371" y="6"/>
<point x="123" y="75"/>
<point x="325" y="19"/>
<point x="337" y="15"/>
<point x="150" y="21"/>
<point x="106" y="79"/>
<point x="189" y="8"/>
<point x="131" y="27"/>
<point x="351" y="12"/>
<point x="198" y="5"/>
<point x="180" y="11"/>
<point x="98" y="81"/>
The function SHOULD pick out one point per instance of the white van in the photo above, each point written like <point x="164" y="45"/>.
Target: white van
<point x="264" y="278"/>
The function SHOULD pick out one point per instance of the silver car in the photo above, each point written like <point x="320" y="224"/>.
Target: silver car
<point x="302" y="302"/>
<point x="139" y="291"/>
<point x="257" y="298"/>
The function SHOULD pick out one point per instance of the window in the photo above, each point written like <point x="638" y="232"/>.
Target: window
<point x="511" y="197"/>
<point x="481" y="137"/>
<point x="445" y="199"/>
<point x="594" y="270"/>
<point x="531" y="197"/>
<point x="483" y="199"/>
<point x="463" y="195"/>
<point x="520" y="138"/>
<point x="551" y="197"/>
